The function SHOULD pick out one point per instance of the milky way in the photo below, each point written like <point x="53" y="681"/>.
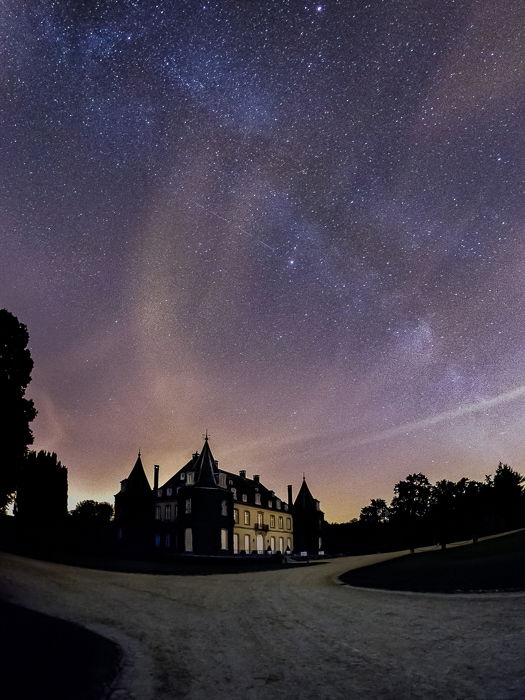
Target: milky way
<point x="297" y="225"/>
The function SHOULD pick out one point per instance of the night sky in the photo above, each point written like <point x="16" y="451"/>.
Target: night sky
<point x="296" y="225"/>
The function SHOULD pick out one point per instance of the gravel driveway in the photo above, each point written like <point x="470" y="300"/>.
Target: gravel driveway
<point x="295" y="633"/>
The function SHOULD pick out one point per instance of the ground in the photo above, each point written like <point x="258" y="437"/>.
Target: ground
<point x="295" y="633"/>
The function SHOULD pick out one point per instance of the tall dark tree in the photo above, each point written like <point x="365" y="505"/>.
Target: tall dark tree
<point x="16" y="411"/>
<point x="443" y="503"/>
<point x="410" y="508"/>
<point x="41" y="496"/>
<point x="508" y="496"/>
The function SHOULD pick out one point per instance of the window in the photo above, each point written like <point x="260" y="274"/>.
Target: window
<point x="235" y="515"/>
<point x="188" y="540"/>
<point x="257" y="499"/>
<point x="157" y="513"/>
<point x="189" y="478"/>
<point x="235" y="543"/>
<point x="288" y="524"/>
<point x="246" y="517"/>
<point x="234" y="492"/>
<point x="159" y="493"/>
<point x="167" y="541"/>
<point x="224" y="508"/>
<point x="259" y="518"/>
<point x="247" y="544"/>
<point x="280" y="522"/>
<point x="169" y="492"/>
<point x="272" y="520"/>
<point x="244" y="498"/>
<point x="157" y="540"/>
<point x="224" y="538"/>
<point x="183" y="476"/>
<point x="188" y="505"/>
<point x="270" y="504"/>
<point x="286" y="507"/>
<point x="222" y="480"/>
<point x="167" y="512"/>
<point x="289" y="540"/>
<point x="278" y="503"/>
<point x="272" y="544"/>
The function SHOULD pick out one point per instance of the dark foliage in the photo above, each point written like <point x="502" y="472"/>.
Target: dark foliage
<point x="16" y="412"/>
<point x="421" y="514"/>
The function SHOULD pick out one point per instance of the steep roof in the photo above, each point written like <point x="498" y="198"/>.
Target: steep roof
<point x="137" y="478"/>
<point x="304" y="499"/>
<point x="205" y="467"/>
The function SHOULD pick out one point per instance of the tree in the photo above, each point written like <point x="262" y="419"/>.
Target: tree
<point x="508" y="496"/>
<point x="377" y="513"/>
<point x="443" y="509"/>
<point x="41" y="496"/>
<point x="410" y="506"/>
<point x="16" y="412"/>
<point x="93" y="512"/>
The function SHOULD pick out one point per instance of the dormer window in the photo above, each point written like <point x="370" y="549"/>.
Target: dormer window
<point x="244" y="498"/>
<point x="183" y="476"/>
<point x="222" y="480"/>
<point x="169" y="492"/>
<point x="189" y="478"/>
<point x="159" y="493"/>
<point x="278" y="503"/>
<point x="257" y="499"/>
<point x="286" y="506"/>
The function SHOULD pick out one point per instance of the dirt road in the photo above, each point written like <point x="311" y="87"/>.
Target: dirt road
<point x="295" y="633"/>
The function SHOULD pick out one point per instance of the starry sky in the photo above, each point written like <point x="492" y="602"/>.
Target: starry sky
<point x="296" y="225"/>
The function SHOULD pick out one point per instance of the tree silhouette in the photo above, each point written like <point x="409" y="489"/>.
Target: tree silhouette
<point x="410" y="506"/>
<point x="16" y="412"/>
<point x="41" y="496"/>
<point x="93" y="512"/>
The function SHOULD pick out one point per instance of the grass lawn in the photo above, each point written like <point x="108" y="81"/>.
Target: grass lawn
<point x="496" y="564"/>
<point x="50" y="659"/>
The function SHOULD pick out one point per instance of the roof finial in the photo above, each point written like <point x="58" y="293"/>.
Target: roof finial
<point x="139" y="451"/>
<point x="206" y="436"/>
<point x="304" y="478"/>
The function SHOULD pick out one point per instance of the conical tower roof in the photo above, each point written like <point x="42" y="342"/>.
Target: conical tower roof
<point x="137" y="478"/>
<point x="304" y="497"/>
<point x="205" y="467"/>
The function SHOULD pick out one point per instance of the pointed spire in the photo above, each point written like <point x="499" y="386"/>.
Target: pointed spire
<point x="205" y="467"/>
<point x="137" y="476"/>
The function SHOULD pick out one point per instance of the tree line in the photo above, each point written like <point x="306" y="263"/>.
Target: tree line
<point x="421" y="513"/>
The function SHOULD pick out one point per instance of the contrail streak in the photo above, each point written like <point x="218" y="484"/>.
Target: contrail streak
<point x="481" y="405"/>
<point x="228" y="221"/>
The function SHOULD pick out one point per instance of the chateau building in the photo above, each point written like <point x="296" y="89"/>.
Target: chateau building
<point x="206" y="510"/>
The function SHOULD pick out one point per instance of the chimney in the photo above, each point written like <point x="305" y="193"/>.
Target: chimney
<point x="156" y="477"/>
<point x="242" y="473"/>
<point x="290" y="500"/>
<point x="256" y="478"/>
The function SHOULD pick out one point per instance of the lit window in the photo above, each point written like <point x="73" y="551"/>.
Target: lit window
<point x="224" y="508"/>
<point x="246" y="517"/>
<point x="188" y="505"/>
<point x="257" y="499"/>
<point x="288" y="524"/>
<point x="189" y="478"/>
<point x="272" y="520"/>
<point x="280" y="522"/>
<point x="235" y="515"/>
<point x="224" y="538"/>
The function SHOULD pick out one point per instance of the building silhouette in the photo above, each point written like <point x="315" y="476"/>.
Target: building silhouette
<point x="202" y="509"/>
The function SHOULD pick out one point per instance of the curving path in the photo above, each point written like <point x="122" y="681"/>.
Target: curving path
<point x="295" y="633"/>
